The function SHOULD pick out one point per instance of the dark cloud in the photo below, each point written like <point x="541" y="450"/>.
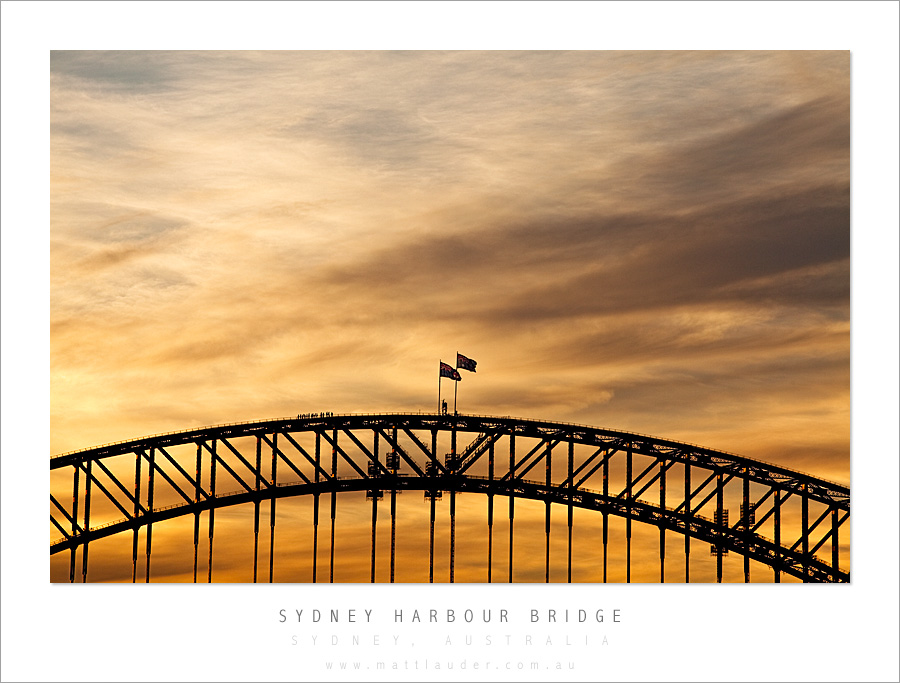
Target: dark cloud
<point x="111" y="256"/>
<point x="131" y="226"/>
<point x="813" y="137"/>
<point x="781" y="194"/>
<point x="125" y="71"/>
<point x="653" y="242"/>
<point x="102" y="142"/>
<point x="377" y="137"/>
<point x="700" y="259"/>
<point x="706" y="336"/>
<point x="100" y="236"/>
<point x="680" y="385"/>
<point x="557" y="269"/>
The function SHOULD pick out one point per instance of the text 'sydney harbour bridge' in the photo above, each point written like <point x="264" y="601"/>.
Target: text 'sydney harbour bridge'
<point x="788" y="521"/>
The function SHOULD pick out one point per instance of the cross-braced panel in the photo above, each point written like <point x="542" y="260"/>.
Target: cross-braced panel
<point x="716" y="503"/>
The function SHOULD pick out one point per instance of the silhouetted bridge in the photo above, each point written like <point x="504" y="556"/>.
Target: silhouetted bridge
<point x="661" y="483"/>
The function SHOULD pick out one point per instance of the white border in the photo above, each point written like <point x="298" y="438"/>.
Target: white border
<point x="231" y="632"/>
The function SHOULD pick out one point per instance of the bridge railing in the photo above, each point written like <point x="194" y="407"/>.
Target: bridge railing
<point x="405" y="412"/>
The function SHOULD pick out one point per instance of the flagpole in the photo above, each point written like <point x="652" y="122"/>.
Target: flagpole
<point x="439" y="393"/>
<point x="456" y="383"/>
<point x="467" y="364"/>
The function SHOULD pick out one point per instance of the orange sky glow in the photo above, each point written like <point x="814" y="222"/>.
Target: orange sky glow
<point x="655" y="242"/>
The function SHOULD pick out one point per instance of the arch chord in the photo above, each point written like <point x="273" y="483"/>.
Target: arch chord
<point x="622" y="465"/>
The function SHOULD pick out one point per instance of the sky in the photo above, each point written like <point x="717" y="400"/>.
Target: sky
<point x="655" y="242"/>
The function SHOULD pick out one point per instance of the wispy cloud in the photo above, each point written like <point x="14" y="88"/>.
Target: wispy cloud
<point x="648" y="241"/>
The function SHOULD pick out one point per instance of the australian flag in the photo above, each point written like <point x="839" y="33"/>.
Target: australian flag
<point x="447" y="371"/>
<point x="465" y="363"/>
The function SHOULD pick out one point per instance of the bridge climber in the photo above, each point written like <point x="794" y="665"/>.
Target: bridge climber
<point x="785" y="520"/>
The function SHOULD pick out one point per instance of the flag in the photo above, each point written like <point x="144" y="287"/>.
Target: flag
<point x="447" y="371"/>
<point x="465" y="363"/>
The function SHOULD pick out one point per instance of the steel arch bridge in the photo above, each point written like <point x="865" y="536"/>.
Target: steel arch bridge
<point x="678" y="488"/>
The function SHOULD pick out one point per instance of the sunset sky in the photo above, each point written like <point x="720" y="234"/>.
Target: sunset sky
<point x="656" y="242"/>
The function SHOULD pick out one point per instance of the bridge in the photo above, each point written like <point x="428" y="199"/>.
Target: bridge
<point x="789" y="522"/>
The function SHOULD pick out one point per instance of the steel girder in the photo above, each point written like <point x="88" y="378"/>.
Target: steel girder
<point x="797" y="560"/>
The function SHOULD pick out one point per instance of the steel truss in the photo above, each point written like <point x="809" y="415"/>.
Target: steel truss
<point x="386" y="453"/>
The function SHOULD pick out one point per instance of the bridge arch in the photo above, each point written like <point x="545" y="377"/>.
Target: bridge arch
<point x="605" y="471"/>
